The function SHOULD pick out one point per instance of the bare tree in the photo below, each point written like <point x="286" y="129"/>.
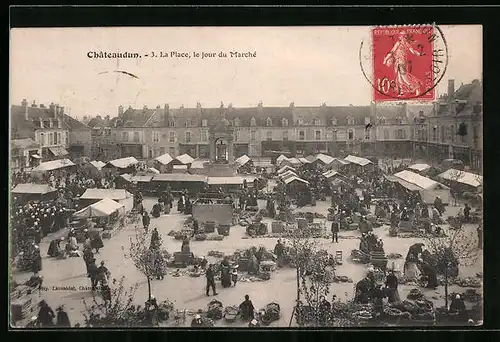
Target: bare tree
<point x="145" y="259"/>
<point x="458" y="248"/>
<point x="454" y="175"/>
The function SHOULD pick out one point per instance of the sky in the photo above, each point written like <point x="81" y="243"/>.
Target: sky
<point x="304" y="65"/>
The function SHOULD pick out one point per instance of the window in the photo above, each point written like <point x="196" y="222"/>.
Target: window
<point x="171" y="123"/>
<point x="381" y="120"/>
<point x="136" y="136"/>
<point x="42" y="139"/>
<point x="162" y="151"/>
<point x="171" y="137"/>
<point x="302" y="135"/>
<point x="204" y="123"/>
<point x="334" y="121"/>
<point x="51" y="123"/>
<point x="453" y="133"/>
<point x="59" y="140"/>
<point x="350" y="120"/>
<point x="317" y="122"/>
<point x="448" y="133"/>
<point x="51" y="139"/>
<point x="300" y="122"/>
<point x="66" y="138"/>
<point x="236" y="135"/>
<point x="284" y="122"/>
<point x="156" y="137"/>
<point x="386" y="134"/>
<point x="269" y="122"/>
<point x="59" y="124"/>
<point x="254" y="150"/>
<point x="350" y="134"/>
<point x="252" y="135"/>
<point x="285" y="135"/>
<point x="188" y="137"/>
<point x="253" y="122"/>
<point x="236" y="122"/>
<point x="367" y="134"/>
<point x="171" y="151"/>
<point x="442" y="134"/>
<point x="269" y="135"/>
<point x="188" y="123"/>
<point x="334" y="135"/>
<point x="204" y="135"/>
<point x="317" y="135"/>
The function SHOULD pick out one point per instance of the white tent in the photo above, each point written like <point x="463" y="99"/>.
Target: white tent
<point x="153" y="170"/>
<point x="198" y="164"/>
<point x="293" y="179"/>
<point x="280" y="159"/>
<point x="234" y="180"/>
<point x="428" y="188"/>
<point x="185" y="159"/>
<point x="463" y="177"/>
<point x="419" y="167"/>
<point x="304" y="160"/>
<point x="123" y="163"/>
<point x="241" y="161"/>
<point x="285" y="169"/>
<point x="119" y="195"/>
<point x="287" y="174"/>
<point x="104" y="207"/>
<point x="54" y="165"/>
<point x="357" y="160"/>
<point x="330" y="173"/>
<point x="164" y="159"/>
<point x="325" y="159"/>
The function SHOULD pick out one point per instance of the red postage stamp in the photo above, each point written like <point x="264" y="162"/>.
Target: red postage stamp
<point x="403" y="63"/>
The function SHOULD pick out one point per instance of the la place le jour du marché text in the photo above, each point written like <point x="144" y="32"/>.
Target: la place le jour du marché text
<point x="171" y="54"/>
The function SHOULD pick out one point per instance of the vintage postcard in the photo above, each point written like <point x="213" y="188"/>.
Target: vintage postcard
<point x="326" y="176"/>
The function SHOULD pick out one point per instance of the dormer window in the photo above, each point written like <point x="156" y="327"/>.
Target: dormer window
<point x="269" y="122"/>
<point x="350" y="120"/>
<point x="253" y="122"/>
<point x="171" y="123"/>
<point x="59" y="124"/>
<point x="382" y="119"/>
<point x="300" y="122"/>
<point x="316" y="122"/>
<point x="236" y="122"/>
<point x="204" y="123"/>
<point x="188" y="123"/>
<point x="334" y="121"/>
<point x="284" y="122"/>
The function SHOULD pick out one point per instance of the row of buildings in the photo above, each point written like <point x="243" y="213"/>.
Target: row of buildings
<point x="449" y="128"/>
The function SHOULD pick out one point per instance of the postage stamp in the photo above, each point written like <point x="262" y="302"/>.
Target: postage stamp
<point x="407" y="62"/>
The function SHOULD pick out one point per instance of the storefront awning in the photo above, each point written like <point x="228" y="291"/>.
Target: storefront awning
<point x="58" y="151"/>
<point x="36" y="156"/>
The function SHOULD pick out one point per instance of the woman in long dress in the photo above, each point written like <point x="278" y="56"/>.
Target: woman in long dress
<point x="411" y="270"/>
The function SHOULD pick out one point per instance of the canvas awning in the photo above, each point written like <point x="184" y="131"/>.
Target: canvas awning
<point x="295" y="179"/>
<point x="416" y="179"/>
<point x="58" y="151"/>
<point x="285" y="169"/>
<point x="185" y="159"/>
<point x="103" y="208"/>
<point x="114" y="194"/>
<point x="179" y="177"/>
<point x="123" y="163"/>
<point x="304" y="160"/>
<point x="30" y="188"/>
<point x="287" y="174"/>
<point x="36" y="156"/>
<point x="358" y="160"/>
<point x="198" y="164"/>
<point x="419" y="167"/>
<point x="164" y="159"/>
<point x="141" y="179"/>
<point x="330" y="173"/>
<point x="463" y="177"/>
<point x="235" y="180"/>
<point x="54" y="165"/>
<point x="127" y="177"/>
<point x="98" y="164"/>
<point x="325" y="159"/>
<point x="153" y="170"/>
<point x="241" y="161"/>
<point x="280" y="159"/>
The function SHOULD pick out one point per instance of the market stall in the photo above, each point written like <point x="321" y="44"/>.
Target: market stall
<point x="229" y="184"/>
<point x="426" y="187"/>
<point x="121" y="196"/>
<point x="184" y="159"/>
<point x="54" y="165"/>
<point x="162" y="162"/>
<point x="468" y="181"/>
<point x="244" y="164"/>
<point x="359" y="163"/>
<point x="122" y="165"/>
<point x="178" y="182"/>
<point x="34" y="192"/>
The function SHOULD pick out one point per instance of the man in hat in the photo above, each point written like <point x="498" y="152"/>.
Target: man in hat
<point x="210" y="275"/>
<point x="457" y="306"/>
<point x="247" y="309"/>
<point x="45" y="315"/>
<point x="103" y="272"/>
<point x="93" y="273"/>
<point x="279" y="250"/>
<point x="335" y="229"/>
<point x="391" y="283"/>
<point x="36" y="262"/>
<point x="62" y="319"/>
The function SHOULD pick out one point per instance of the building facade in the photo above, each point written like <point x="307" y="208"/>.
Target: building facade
<point x="24" y="153"/>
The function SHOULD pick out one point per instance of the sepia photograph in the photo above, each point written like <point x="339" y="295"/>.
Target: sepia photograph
<point x="246" y="177"/>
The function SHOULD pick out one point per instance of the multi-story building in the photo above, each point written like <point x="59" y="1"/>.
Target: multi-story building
<point x="54" y="130"/>
<point x="104" y="146"/>
<point x="454" y="129"/>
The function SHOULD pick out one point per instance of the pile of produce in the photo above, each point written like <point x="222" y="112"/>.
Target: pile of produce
<point x="394" y="256"/>
<point x="319" y="216"/>
<point x="172" y="233"/>
<point x="215" y="254"/>
<point x="469" y="295"/>
<point x="214" y="310"/>
<point x="342" y="279"/>
<point x="466" y="282"/>
<point x="200" y="237"/>
<point x="415" y="294"/>
<point x="215" y="237"/>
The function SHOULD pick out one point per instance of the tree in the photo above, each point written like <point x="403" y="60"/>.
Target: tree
<point x="146" y="259"/>
<point x="458" y="248"/>
<point x="454" y="175"/>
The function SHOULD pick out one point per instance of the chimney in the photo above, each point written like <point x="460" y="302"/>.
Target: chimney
<point x="166" y="111"/>
<point x="451" y="88"/>
<point x="323" y="104"/>
<point x="34" y="104"/>
<point x="120" y="110"/>
<point x="55" y="110"/>
<point x="158" y="107"/>
<point x="61" y="110"/>
<point x="292" y="104"/>
<point x="24" y="104"/>
<point x="145" y="107"/>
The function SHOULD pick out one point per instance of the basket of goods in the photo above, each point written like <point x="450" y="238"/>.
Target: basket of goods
<point x="200" y="237"/>
<point x="353" y="226"/>
<point x="230" y="313"/>
<point x="215" y="237"/>
<point x="363" y="315"/>
<point x="223" y="230"/>
<point x="214" y="310"/>
<point x="243" y="223"/>
<point x="392" y="313"/>
<point x="415" y="294"/>
<point x="215" y="254"/>
<point x="171" y="233"/>
<point x="271" y="313"/>
<point x="179" y="235"/>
